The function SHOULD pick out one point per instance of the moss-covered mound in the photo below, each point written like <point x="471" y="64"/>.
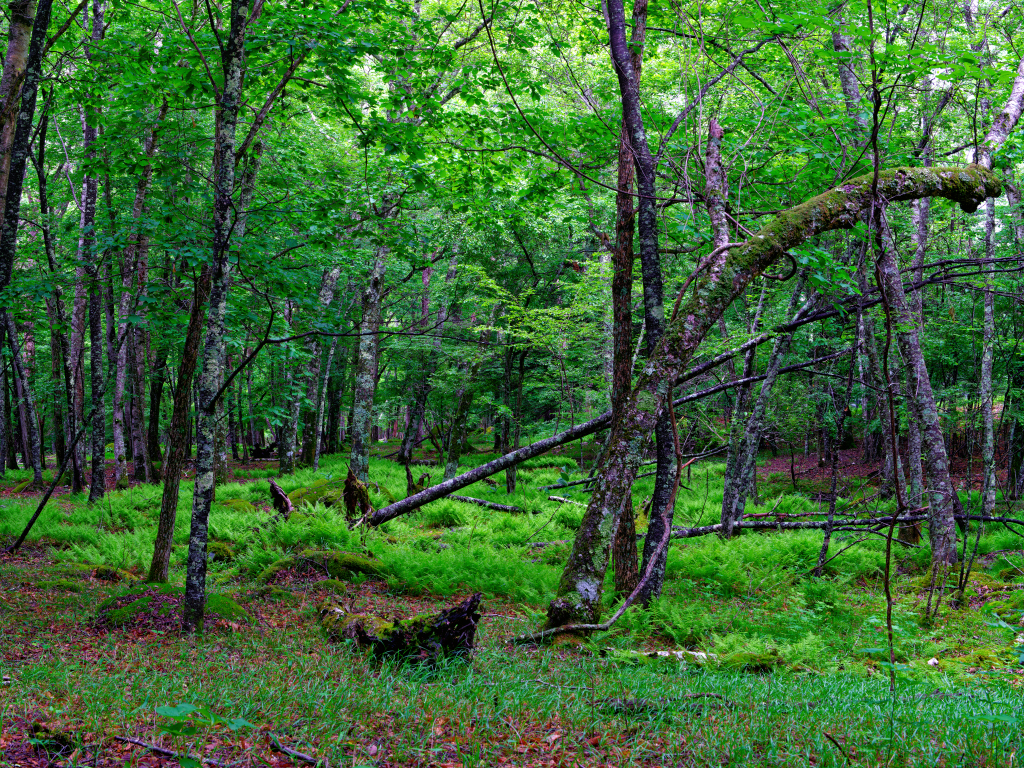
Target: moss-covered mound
<point x="336" y="565"/>
<point x="220" y="551"/>
<point x="158" y="606"/>
<point x="110" y="573"/>
<point x="62" y="585"/>
<point x="327" y="492"/>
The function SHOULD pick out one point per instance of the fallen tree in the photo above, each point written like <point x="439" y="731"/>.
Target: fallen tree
<point x="448" y="487"/>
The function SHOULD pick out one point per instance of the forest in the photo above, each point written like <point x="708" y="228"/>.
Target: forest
<point x="511" y="382"/>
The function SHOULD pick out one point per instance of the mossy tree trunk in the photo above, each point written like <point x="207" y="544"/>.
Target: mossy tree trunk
<point x="624" y="552"/>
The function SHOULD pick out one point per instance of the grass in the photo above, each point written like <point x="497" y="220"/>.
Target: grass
<point x="798" y="667"/>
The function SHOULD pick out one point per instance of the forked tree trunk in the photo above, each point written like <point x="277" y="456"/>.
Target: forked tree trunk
<point x="624" y="552"/>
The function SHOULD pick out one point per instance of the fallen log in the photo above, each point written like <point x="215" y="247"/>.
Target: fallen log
<point x="422" y="638"/>
<point x="489" y="504"/>
<point x="446" y="488"/>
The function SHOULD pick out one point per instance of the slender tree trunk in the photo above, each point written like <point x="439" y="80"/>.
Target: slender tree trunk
<point x="214" y="352"/>
<point x="988" y="444"/>
<point x="30" y="422"/>
<point x="366" y="367"/>
<point x="132" y="263"/>
<point x="156" y="392"/>
<point x="328" y="288"/>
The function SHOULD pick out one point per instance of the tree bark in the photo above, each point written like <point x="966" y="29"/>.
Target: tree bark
<point x="214" y="352"/>
<point x="366" y="366"/>
<point x="131" y="288"/>
<point x="29" y="420"/>
<point x="624" y="551"/>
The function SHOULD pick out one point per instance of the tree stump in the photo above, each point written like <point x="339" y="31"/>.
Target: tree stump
<point x="422" y="638"/>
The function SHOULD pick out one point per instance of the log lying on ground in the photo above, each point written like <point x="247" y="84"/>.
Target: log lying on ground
<point x="448" y="487"/>
<point x="839" y="524"/>
<point x="489" y="504"/>
<point x="421" y="638"/>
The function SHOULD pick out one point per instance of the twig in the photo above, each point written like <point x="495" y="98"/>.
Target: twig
<point x="165" y="752"/>
<point x="279" y="747"/>
<point x="838" y="746"/>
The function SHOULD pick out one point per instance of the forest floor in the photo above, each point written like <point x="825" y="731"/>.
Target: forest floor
<point x="795" y="669"/>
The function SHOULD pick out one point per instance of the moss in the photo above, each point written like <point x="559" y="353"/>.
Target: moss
<point x="338" y="565"/>
<point x="220" y="551"/>
<point x="238" y="505"/>
<point x="160" y="600"/>
<point x="423" y="638"/>
<point x="332" y="585"/>
<point x="341" y="625"/>
<point x="22" y="486"/>
<point x="109" y="573"/>
<point x="63" y="585"/>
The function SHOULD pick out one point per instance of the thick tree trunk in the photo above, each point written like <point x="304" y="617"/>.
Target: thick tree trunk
<point x="624" y="551"/>
<point x="22" y="15"/>
<point x="579" y="592"/>
<point x="366" y="366"/>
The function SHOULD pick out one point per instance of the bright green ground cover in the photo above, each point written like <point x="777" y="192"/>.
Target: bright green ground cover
<point x="794" y="658"/>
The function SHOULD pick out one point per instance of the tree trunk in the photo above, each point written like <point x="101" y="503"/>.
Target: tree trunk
<point x="27" y="406"/>
<point x="624" y="551"/>
<point x="366" y="367"/>
<point x="131" y="288"/>
<point x="233" y="60"/>
<point x="156" y="392"/>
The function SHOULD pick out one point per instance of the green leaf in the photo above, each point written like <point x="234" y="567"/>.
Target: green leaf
<point x="181" y="710"/>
